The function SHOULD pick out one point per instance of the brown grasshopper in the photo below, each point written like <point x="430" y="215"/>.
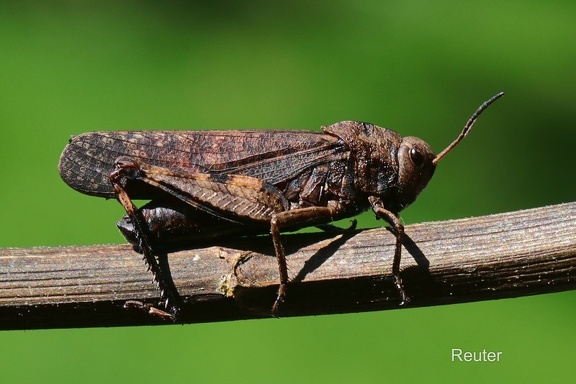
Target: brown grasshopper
<point x="214" y="184"/>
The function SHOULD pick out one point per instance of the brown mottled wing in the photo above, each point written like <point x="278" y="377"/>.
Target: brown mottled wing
<point x="273" y="156"/>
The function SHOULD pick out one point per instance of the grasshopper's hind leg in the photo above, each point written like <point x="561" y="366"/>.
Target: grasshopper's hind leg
<point x="157" y="264"/>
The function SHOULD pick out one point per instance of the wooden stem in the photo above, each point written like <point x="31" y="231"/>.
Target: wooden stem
<point x="506" y="255"/>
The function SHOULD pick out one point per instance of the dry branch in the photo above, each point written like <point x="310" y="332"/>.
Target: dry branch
<point x="497" y="256"/>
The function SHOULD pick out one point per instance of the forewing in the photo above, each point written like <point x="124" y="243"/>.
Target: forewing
<point x="88" y="159"/>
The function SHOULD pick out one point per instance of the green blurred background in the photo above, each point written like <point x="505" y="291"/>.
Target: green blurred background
<point x="420" y="68"/>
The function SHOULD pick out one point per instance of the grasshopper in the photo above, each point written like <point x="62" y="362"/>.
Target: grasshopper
<point x="215" y="184"/>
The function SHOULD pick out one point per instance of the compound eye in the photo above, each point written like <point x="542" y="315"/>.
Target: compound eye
<point x="417" y="157"/>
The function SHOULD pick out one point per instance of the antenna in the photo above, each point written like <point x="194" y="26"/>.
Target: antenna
<point x="467" y="127"/>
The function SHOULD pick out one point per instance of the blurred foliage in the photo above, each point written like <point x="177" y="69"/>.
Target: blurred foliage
<point x="420" y="68"/>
